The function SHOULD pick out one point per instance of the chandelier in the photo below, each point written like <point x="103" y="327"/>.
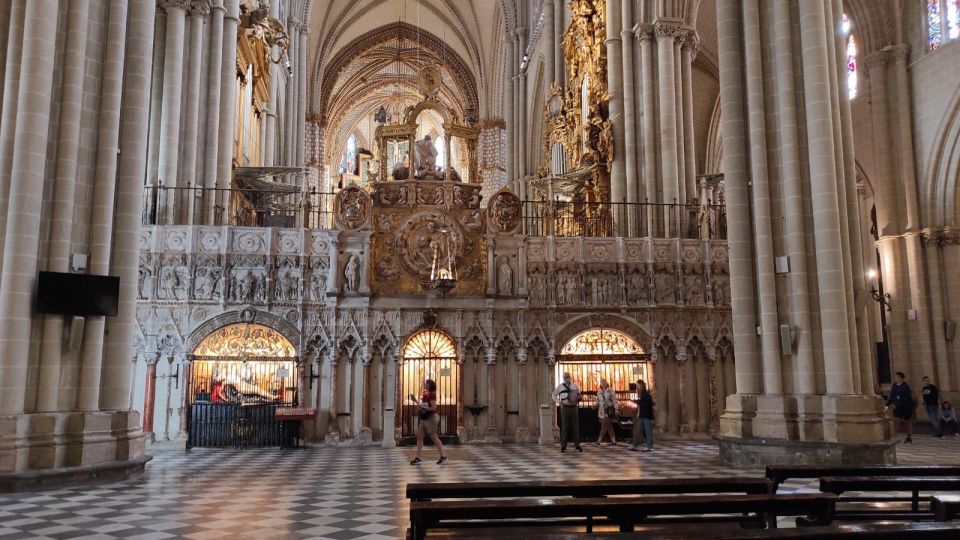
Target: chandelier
<point x="443" y="272"/>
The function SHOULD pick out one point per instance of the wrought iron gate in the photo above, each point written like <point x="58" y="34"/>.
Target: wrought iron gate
<point x="233" y="402"/>
<point x="428" y="355"/>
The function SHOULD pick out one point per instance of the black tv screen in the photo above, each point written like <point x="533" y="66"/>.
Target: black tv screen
<point x="77" y="294"/>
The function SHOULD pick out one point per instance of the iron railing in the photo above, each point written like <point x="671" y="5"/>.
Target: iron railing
<point x="634" y="220"/>
<point x="237" y="207"/>
<point x="314" y="210"/>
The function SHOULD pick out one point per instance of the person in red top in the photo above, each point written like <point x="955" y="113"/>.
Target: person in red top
<point x="429" y="421"/>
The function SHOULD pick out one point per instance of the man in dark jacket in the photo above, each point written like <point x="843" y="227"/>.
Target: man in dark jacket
<point x="901" y="399"/>
<point x="644" y="424"/>
<point x="931" y="402"/>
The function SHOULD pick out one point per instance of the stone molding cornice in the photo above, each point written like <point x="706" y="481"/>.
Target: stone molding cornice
<point x="877" y="59"/>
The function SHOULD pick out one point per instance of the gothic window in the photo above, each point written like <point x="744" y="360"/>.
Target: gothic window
<point x="348" y="163"/>
<point x="851" y="57"/>
<point x="943" y="22"/>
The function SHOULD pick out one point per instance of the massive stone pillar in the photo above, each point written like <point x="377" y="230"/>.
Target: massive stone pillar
<point x="618" y="179"/>
<point x="228" y="83"/>
<point x="72" y="417"/>
<point x="799" y="398"/>
<point x="629" y="111"/>
<point x="169" y="158"/>
<point x="192" y="140"/>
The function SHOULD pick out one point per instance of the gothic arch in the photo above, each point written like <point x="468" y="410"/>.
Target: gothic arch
<point x="249" y="315"/>
<point x="943" y="175"/>
<point x="624" y="324"/>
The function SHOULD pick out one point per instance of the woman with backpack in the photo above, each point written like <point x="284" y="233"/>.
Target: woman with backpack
<point x="608" y="409"/>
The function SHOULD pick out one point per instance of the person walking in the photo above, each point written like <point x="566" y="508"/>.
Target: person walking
<point x="607" y="409"/>
<point x="567" y="394"/>
<point x="948" y="419"/>
<point x="931" y="402"/>
<point x="429" y="421"/>
<point x="643" y="427"/>
<point x="901" y="399"/>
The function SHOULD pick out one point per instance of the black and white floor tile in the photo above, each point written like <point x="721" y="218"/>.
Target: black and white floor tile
<point x="337" y="493"/>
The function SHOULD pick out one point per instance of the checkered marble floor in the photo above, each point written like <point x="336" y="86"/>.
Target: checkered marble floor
<point x="338" y="493"/>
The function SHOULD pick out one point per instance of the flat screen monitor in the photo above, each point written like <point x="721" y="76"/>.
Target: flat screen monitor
<point x="61" y="293"/>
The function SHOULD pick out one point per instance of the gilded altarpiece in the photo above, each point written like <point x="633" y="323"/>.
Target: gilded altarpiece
<point x="409" y="221"/>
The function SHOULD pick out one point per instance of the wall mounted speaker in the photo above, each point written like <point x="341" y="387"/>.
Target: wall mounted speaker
<point x="949" y="330"/>
<point x="786" y="339"/>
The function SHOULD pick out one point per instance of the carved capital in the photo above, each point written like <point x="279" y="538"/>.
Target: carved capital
<point x="199" y="7"/>
<point x="167" y="5"/>
<point x="691" y="43"/>
<point x="901" y="52"/>
<point x="644" y="32"/>
<point x="521" y="355"/>
<point x="681" y="356"/>
<point x="668" y="30"/>
<point x="945" y="236"/>
<point x="877" y="60"/>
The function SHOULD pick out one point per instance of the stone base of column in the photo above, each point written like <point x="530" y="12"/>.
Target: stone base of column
<point x="752" y="452"/>
<point x="45" y="448"/>
<point x="805" y="430"/>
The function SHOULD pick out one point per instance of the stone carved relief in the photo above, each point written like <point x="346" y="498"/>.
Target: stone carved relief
<point x="288" y="284"/>
<point x="145" y="281"/>
<point x="351" y="274"/>
<point x="207" y="279"/>
<point x="505" y="277"/>
<point x="352" y="211"/>
<point x="504" y="212"/>
<point x="173" y="279"/>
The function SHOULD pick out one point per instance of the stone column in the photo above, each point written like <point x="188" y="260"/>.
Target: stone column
<point x="559" y="7"/>
<point x="228" y="83"/>
<point x="22" y="229"/>
<point x="508" y="113"/>
<point x="64" y="194"/>
<point x="795" y="220"/>
<point x="134" y="116"/>
<point x="666" y="32"/>
<point x="688" y="53"/>
<point x="104" y="191"/>
<point x="834" y="417"/>
<point x="212" y="127"/>
<point x="167" y="173"/>
<point x="649" y="138"/>
<point x="198" y="12"/>
<point x="156" y="108"/>
<point x="618" y="178"/>
<point x="301" y="124"/>
<point x="548" y="34"/>
<point x="629" y="150"/>
<point x="8" y="116"/>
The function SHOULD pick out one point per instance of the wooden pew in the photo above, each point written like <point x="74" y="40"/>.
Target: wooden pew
<point x="865" y="531"/>
<point x="841" y="484"/>
<point x="585" y="488"/>
<point x="777" y="474"/>
<point x="625" y="511"/>
<point x="944" y="507"/>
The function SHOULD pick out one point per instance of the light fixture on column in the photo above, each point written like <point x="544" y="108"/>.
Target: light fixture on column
<point x="877" y="294"/>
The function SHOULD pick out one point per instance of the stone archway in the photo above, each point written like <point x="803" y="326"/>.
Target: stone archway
<point x="619" y="323"/>
<point x="429" y="354"/>
<point x="248" y="315"/>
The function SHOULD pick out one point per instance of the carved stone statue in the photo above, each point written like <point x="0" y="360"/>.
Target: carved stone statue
<point x="505" y="277"/>
<point x="318" y="285"/>
<point x="424" y="155"/>
<point x="352" y="273"/>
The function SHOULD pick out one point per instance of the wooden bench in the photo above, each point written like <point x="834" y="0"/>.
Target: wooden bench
<point x="777" y="474"/>
<point x="839" y="485"/>
<point x="625" y="511"/>
<point x="585" y="488"/>
<point x="869" y="531"/>
<point x="944" y="507"/>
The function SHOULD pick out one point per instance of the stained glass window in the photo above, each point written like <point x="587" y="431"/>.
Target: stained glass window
<point x="601" y="341"/>
<point x="953" y="19"/>
<point x="934" y="21"/>
<point x="245" y="340"/>
<point x="851" y="57"/>
<point x="430" y="344"/>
